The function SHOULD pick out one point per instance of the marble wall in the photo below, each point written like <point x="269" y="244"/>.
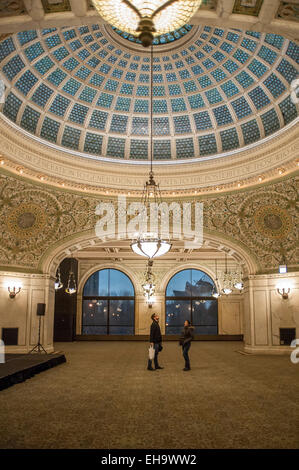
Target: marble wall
<point x="265" y="312"/>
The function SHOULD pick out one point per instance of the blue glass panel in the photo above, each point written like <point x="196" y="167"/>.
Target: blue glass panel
<point x="78" y="113"/>
<point x="116" y="147"/>
<point x="56" y="77"/>
<point x="13" y="67"/>
<point x="60" y="53"/>
<point x="32" y="52"/>
<point x="71" y="86"/>
<point x="267" y="54"/>
<point x="182" y="124"/>
<point x="71" y="138"/>
<point x="288" y="110"/>
<point x="43" y="65"/>
<point x="162" y="149"/>
<point x="26" y="36"/>
<point x="244" y="79"/>
<point x="241" y="107"/>
<point x="30" y="119"/>
<point x="251" y="132"/>
<point x="229" y="139"/>
<point x="26" y="82"/>
<point x="50" y="129"/>
<point x="119" y="123"/>
<point x="6" y="47"/>
<point x="11" y="106"/>
<point x="287" y="70"/>
<point x="53" y="41"/>
<point x="41" y="95"/>
<point x="229" y="88"/>
<point x="184" y="148"/>
<point x="59" y="105"/>
<point x="259" y="97"/>
<point x="275" y="86"/>
<point x="93" y="143"/>
<point x="139" y="149"/>
<point x="207" y="144"/>
<point x="202" y="121"/>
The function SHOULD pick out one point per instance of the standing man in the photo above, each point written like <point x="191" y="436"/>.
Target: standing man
<point x="156" y="341"/>
<point x="185" y="342"/>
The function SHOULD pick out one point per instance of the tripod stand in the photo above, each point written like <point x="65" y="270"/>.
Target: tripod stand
<point x="38" y="348"/>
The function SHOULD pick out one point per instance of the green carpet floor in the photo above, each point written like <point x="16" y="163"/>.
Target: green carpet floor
<point x="104" y="397"/>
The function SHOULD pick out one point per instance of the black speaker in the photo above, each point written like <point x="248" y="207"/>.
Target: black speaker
<point x="40" y="311"/>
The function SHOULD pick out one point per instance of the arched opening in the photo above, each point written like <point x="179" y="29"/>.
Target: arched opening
<point x="108" y="304"/>
<point x="189" y="297"/>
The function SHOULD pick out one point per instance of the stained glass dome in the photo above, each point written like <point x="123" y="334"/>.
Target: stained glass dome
<point x="86" y="90"/>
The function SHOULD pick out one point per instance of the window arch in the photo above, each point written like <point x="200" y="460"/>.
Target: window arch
<point x="189" y="297"/>
<point x="108" y="304"/>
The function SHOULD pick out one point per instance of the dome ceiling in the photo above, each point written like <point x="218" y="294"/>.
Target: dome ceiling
<point x="86" y="89"/>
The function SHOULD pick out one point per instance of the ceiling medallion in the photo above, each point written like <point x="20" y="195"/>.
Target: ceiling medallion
<point x="273" y="221"/>
<point x="26" y="220"/>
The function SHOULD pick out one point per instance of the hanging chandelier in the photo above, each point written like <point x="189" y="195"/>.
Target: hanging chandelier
<point x="227" y="280"/>
<point x="215" y="293"/>
<point x="71" y="284"/>
<point x="147" y="19"/>
<point x="149" y="282"/>
<point x="151" y="244"/>
<point x="58" y="284"/>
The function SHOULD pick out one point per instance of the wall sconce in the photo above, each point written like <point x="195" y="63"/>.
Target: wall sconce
<point x="13" y="291"/>
<point x="284" y="292"/>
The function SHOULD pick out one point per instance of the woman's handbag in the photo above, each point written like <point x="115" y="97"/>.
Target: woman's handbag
<point x="151" y="353"/>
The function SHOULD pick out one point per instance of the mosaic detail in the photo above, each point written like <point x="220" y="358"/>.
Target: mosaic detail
<point x="288" y="10"/>
<point x="56" y="7"/>
<point x="247" y="7"/>
<point x="224" y="89"/>
<point x="26" y="220"/>
<point x="12" y="7"/>
<point x="34" y="219"/>
<point x="273" y="222"/>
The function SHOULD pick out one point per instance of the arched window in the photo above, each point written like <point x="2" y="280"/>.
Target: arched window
<point x="108" y="304"/>
<point x="189" y="297"/>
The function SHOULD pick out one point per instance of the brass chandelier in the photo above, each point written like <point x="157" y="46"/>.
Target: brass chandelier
<point x="147" y="18"/>
<point x="151" y="244"/>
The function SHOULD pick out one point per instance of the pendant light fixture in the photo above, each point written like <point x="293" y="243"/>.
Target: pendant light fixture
<point x="226" y="280"/>
<point x="147" y="19"/>
<point x="216" y="294"/>
<point x="71" y="284"/>
<point x="71" y="287"/>
<point x="149" y="283"/>
<point x="238" y="282"/>
<point x="151" y="244"/>
<point x="58" y="284"/>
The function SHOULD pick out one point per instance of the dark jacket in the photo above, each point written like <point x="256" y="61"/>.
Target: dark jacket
<point x="187" y="335"/>
<point x="155" y="335"/>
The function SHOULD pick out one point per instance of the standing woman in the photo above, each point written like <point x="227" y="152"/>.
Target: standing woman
<point x="185" y="342"/>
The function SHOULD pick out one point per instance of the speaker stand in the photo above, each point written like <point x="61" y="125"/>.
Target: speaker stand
<point x="39" y="347"/>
